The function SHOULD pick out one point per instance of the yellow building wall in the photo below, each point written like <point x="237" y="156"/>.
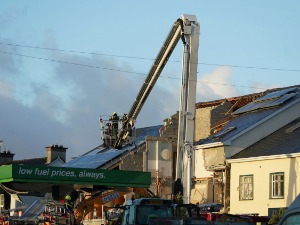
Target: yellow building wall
<point x="261" y="170"/>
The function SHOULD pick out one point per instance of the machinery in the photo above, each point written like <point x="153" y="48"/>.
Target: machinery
<point x="96" y="205"/>
<point x="148" y="211"/>
<point x="93" y="204"/>
<point x="185" y="28"/>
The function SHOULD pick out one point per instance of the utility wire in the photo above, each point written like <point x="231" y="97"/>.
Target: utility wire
<point x="118" y="70"/>
<point x="251" y="67"/>
<point x="143" y="58"/>
<point x="71" y="63"/>
<point x="78" y="52"/>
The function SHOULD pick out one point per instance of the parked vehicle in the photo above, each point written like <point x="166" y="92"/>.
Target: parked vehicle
<point x="292" y="214"/>
<point x="156" y="211"/>
<point x="141" y="211"/>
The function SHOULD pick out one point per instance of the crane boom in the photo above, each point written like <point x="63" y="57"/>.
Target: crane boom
<point x="186" y="121"/>
<point x="187" y="28"/>
<point x="153" y="74"/>
<point x="177" y="31"/>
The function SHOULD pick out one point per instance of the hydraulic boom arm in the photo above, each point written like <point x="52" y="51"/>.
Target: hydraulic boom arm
<point x="179" y="30"/>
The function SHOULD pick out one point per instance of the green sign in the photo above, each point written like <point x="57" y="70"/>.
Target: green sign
<point x="117" y="178"/>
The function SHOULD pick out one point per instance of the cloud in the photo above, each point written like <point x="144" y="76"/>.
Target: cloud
<point x="66" y="100"/>
<point x="6" y="89"/>
<point x="8" y="63"/>
<point x="25" y="131"/>
<point x="216" y="85"/>
<point x="62" y="104"/>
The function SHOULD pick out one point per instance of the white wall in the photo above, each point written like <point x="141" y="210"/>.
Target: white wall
<point x="199" y="168"/>
<point x="157" y="161"/>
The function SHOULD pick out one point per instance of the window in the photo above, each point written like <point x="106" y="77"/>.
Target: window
<point x="246" y="187"/>
<point x="276" y="185"/>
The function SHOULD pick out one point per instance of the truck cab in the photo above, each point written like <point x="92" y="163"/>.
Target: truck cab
<point x="140" y="211"/>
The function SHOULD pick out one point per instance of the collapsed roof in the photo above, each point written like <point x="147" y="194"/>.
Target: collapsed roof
<point x="270" y="102"/>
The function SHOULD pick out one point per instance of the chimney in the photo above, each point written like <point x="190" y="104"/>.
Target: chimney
<point x="55" y="151"/>
<point x="6" y="156"/>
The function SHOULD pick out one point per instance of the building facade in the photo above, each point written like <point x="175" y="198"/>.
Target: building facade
<point x="264" y="185"/>
<point x="249" y="126"/>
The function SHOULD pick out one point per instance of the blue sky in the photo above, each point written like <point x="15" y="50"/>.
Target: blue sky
<point x="245" y="47"/>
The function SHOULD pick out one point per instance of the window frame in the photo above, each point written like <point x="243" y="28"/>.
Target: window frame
<point x="242" y="193"/>
<point x="278" y="184"/>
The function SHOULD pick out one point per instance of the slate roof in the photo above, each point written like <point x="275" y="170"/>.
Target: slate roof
<point x="101" y="155"/>
<point x="283" y="141"/>
<point x="35" y="162"/>
<point x="243" y="118"/>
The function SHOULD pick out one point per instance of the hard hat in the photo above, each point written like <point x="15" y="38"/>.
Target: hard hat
<point x="68" y="197"/>
<point x="115" y="113"/>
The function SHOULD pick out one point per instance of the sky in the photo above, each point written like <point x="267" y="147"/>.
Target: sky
<point x="65" y="63"/>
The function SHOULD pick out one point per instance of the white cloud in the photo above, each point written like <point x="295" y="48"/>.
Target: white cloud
<point x="216" y="85"/>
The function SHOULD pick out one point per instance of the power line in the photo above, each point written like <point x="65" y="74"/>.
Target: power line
<point x="112" y="69"/>
<point x="73" y="51"/>
<point x="71" y="63"/>
<point x="252" y="67"/>
<point x="223" y="84"/>
<point x="144" y="58"/>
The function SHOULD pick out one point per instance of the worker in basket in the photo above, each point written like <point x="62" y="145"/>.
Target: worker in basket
<point x="115" y="123"/>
